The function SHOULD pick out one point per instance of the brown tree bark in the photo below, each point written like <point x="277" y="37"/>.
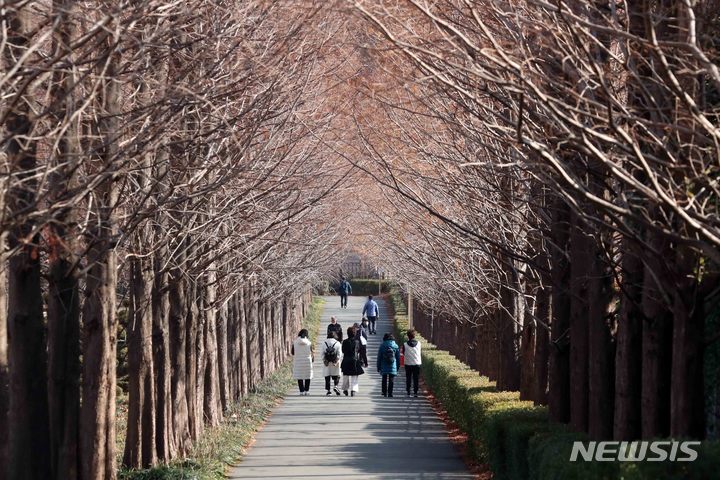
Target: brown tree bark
<point x="543" y="312"/>
<point x="252" y="340"/>
<point x="628" y="358"/>
<point x="242" y="361"/>
<point x="164" y="438"/>
<point x="687" y="400"/>
<point x="140" y="439"/>
<point x="28" y="425"/>
<point x="178" y="354"/>
<point x="581" y="258"/>
<point x="656" y="341"/>
<point x="63" y="310"/>
<point x="4" y="373"/>
<point x="559" y="371"/>
<point x="223" y="356"/>
<point x="212" y="406"/>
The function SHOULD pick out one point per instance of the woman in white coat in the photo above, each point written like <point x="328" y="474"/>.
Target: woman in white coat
<point x="302" y="351"/>
<point x="332" y="356"/>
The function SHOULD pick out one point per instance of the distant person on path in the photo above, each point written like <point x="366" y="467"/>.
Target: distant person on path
<point x="388" y="359"/>
<point x="372" y="311"/>
<point x="332" y="355"/>
<point x="335" y="328"/>
<point x="351" y="364"/>
<point x="344" y="290"/>
<point x="413" y="360"/>
<point x="363" y="344"/>
<point x="302" y="351"/>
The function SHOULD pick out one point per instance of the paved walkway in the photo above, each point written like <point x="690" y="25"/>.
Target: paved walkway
<point x="361" y="437"/>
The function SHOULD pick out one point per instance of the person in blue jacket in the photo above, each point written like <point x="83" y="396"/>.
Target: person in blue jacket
<point x="388" y="360"/>
<point x="344" y="289"/>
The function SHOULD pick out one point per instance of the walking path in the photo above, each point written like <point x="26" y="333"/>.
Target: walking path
<point x="361" y="437"/>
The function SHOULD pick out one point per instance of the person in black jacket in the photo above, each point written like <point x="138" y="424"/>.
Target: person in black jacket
<point x="351" y="364"/>
<point x="335" y="328"/>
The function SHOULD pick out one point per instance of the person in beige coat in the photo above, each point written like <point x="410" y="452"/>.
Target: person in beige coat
<point x="302" y="351"/>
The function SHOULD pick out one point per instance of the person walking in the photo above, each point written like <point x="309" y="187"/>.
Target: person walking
<point x="332" y="356"/>
<point x="344" y="290"/>
<point x="360" y="334"/>
<point x="412" y="353"/>
<point x="371" y="310"/>
<point x="335" y="328"/>
<point x="351" y="365"/>
<point x="302" y="352"/>
<point x="388" y="359"/>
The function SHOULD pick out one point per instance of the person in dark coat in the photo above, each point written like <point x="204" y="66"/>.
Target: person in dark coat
<point x="335" y="328"/>
<point x="359" y="334"/>
<point x="344" y="289"/>
<point x="351" y="365"/>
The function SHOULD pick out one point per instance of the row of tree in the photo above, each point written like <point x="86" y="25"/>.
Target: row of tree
<point x="163" y="178"/>
<point x="552" y="177"/>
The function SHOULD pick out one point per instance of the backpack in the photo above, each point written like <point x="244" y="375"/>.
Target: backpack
<point x="389" y="354"/>
<point x="330" y="355"/>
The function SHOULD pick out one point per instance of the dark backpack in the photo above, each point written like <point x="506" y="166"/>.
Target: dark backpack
<point x="330" y="355"/>
<point x="389" y="354"/>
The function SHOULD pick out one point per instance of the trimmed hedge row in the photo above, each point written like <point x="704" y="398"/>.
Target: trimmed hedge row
<point x="367" y="286"/>
<point x="516" y="438"/>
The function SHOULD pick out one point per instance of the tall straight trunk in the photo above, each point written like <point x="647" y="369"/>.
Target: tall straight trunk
<point x="687" y="400"/>
<point x="223" y="355"/>
<point x="4" y="373"/>
<point x="179" y="371"/>
<point x="581" y="258"/>
<point x="656" y="342"/>
<point x="196" y="344"/>
<point x="97" y="415"/>
<point x="628" y="353"/>
<point x="559" y="371"/>
<point x="191" y="329"/>
<point x="543" y="312"/>
<point x="140" y="438"/>
<point x="164" y="439"/>
<point x="527" y="356"/>
<point x="252" y="340"/>
<point x="242" y="363"/>
<point x="28" y="422"/>
<point x="211" y="406"/>
<point x="63" y="312"/>
<point x="262" y="340"/>
<point x="601" y="353"/>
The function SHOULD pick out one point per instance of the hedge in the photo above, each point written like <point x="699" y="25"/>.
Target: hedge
<point x="365" y="286"/>
<point x="516" y="438"/>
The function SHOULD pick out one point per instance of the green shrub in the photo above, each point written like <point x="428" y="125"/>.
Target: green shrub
<point x="365" y="286"/>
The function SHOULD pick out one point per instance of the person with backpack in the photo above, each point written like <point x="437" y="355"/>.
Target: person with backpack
<point x="388" y="360"/>
<point x="372" y="311"/>
<point x="302" y="352"/>
<point x="344" y="289"/>
<point x="351" y="365"/>
<point x="411" y="351"/>
<point x="332" y="355"/>
<point x="335" y="328"/>
<point x="362" y="336"/>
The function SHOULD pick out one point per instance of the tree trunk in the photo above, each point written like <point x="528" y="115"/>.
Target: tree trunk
<point x="542" y="345"/>
<point x="628" y="358"/>
<point x="212" y="405"/>
<point x="656" y="342"/>
<point x="242" y="362"/>
<point x="28" y="425"/>
<point x="559" y="371"/>
<point x="223" y="355"/>
<point x="164" y="438"/>
<point x="687" y="399"/>
<point x="97" y="416"/>
<point x="4" y="373"/>
<point x="178" y="352"/>
<point x="63" y="312"/>
<point x="140" y="439"/>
